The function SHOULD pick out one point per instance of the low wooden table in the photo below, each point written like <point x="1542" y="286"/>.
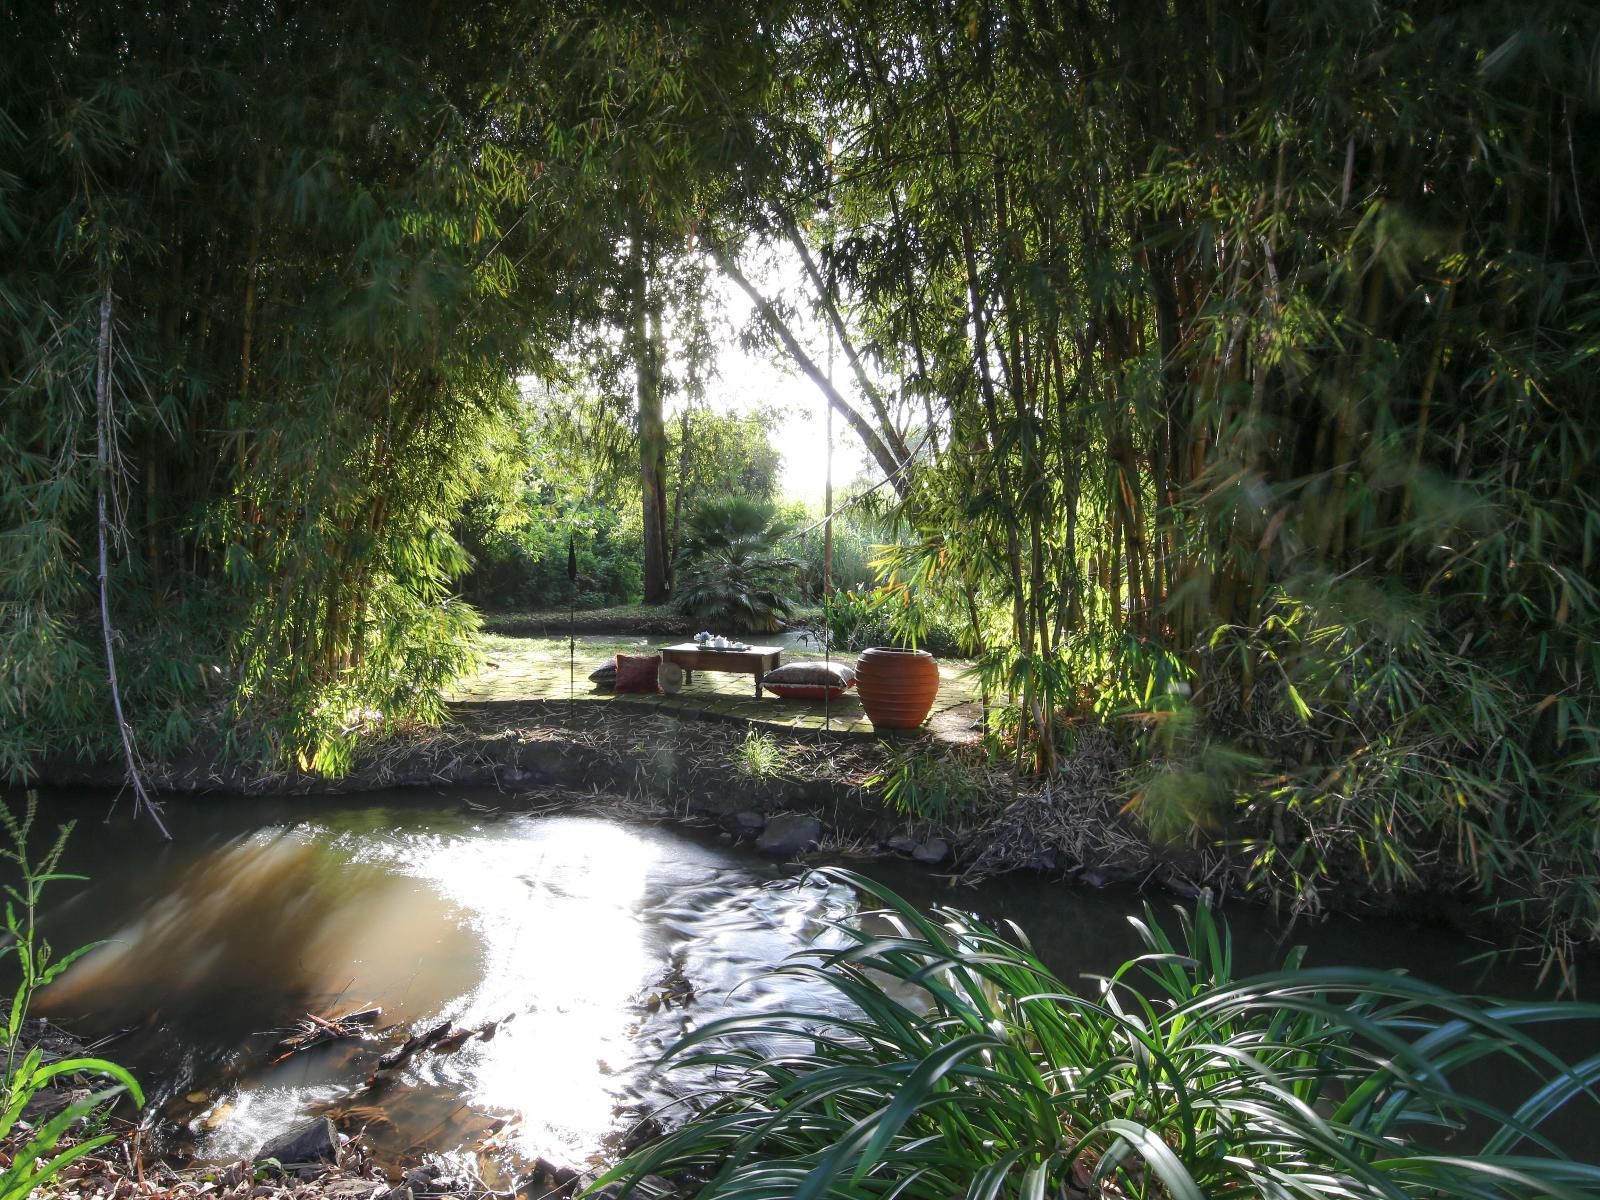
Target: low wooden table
<point x="692" y="657"/>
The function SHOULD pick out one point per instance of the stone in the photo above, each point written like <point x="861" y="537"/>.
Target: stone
<point x="553" y="1175"/>
<point x="1180" y="886"/>
<point x="932" y="852"/>
<point x="1105" y="876"/>
<point x="789" y="834"/>
<point x="420" y="1178"/>
<point x="314" y="1142"/>
<point x="902" y="843"/>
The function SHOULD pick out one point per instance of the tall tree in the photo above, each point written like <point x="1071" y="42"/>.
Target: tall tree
<point x="649" y="351"/>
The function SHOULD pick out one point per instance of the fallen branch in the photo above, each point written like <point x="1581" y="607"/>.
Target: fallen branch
<point x="104" y="452"/>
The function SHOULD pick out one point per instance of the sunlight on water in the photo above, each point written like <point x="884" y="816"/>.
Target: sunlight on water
<point x="564" y="963"/>
<point x="538" y="939"/>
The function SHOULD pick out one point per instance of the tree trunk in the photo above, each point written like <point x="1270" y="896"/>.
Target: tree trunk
<point x="652" y="431"/>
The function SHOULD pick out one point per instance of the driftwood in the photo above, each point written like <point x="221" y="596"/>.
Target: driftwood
<point x="316" y="1031"/>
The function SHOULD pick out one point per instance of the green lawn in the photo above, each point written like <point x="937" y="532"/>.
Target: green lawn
<point x="632" y="618"/>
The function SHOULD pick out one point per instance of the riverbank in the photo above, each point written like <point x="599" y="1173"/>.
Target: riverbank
<point x="946" y="806"/>
<point x="337" y="1167"/>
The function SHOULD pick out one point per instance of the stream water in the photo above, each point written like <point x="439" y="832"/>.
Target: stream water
<point x="544" y="935"/>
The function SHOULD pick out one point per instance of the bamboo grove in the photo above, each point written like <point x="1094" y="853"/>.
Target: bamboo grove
<point x="1261" y="339"/>
<point x="333" y="238"/>
<point x="1239" y="361"/>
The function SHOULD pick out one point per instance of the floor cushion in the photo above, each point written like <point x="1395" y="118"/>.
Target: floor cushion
<point x="604" y="676"/>
<point x="637" y="672"/>
<point x="809" y="680"/>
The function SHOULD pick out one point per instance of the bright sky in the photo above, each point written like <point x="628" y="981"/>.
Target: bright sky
<point x="746" y="380"/>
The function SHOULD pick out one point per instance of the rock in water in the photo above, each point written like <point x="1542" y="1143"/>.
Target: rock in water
<point x="932" y="852"/>
<point x="314" y="1142"/>
<point x="788" y="835"/>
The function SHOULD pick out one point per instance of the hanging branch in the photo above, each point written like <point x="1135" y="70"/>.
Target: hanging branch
<point x="104" y="453"/>
<point x="891" y="466"/>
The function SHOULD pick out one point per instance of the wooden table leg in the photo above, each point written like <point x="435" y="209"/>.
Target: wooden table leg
<point x="758" y="683"/>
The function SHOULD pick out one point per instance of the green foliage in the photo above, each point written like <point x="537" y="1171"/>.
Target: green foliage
<point x="312" y="252"/>
<point x="1279" y="390"/>
<point x="38" y="1160"/>
<point x="854" y="621"/>
<point x="930" y="785"/>
<point x="1434" y="764"/>
<point x="864" y="617"/>
<point x="525" y="567"/>
<point x="855" y="537"/>
<point x="333" y="242"/>
<point x="575" y="465"/>
<point x="956" y="1063"/>
<point x="760" y="756"/>
<point x="730" y="574"/>
<point x="1311" y="349"/>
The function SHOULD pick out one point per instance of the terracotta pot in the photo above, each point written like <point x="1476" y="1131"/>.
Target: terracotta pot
<point x="897" y="686"/>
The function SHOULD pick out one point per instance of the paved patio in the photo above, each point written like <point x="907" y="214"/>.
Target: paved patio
<point x="534" y="668"/>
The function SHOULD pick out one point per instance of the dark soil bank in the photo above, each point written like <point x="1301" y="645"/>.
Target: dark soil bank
<point x="689" y="764"/>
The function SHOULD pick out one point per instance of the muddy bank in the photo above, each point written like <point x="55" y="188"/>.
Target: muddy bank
<point x="686" y="764"/>
<point x="314" y="1163"/>
<point x="693" y="766"/>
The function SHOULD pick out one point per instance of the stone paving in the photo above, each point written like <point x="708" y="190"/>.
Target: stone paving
<point x="530" y="668"/>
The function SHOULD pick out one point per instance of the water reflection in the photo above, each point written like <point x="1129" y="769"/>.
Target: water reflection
<point x="539" y="939"/>
<point x="563" y="957"/>
<point x="264" y="921"/>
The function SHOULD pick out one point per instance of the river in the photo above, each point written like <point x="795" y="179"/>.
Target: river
<point x="547" y="938"/>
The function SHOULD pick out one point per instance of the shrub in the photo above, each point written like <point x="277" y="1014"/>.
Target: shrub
<point x="852" y="556"/>
<point x="861" y="617"/>
<point x="958" y="1064"/>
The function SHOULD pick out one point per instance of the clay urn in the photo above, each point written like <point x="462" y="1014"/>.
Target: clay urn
<point x="897" y="687"/>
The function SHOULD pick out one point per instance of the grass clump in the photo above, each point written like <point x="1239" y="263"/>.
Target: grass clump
<point x="38" y="1152"/>
<point x="929" y="786"/>
<point x="957" y="1064"/>
<point x="760" y="756"/>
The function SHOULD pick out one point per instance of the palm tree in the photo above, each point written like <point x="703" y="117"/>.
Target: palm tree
<point x="729" y="571"/>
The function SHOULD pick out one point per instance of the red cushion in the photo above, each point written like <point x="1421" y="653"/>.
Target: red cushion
<point x="803" y="691"/>
<point x="637" y="673"/>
